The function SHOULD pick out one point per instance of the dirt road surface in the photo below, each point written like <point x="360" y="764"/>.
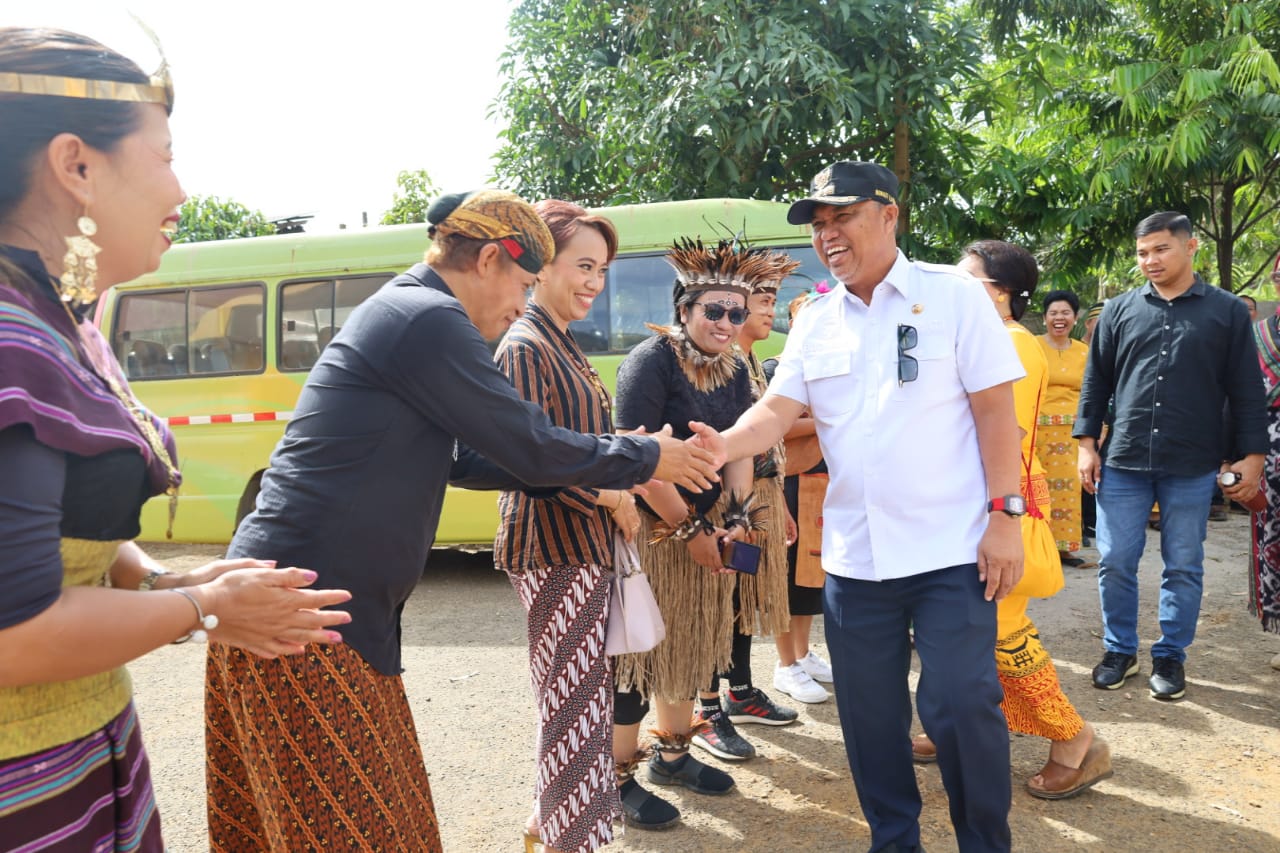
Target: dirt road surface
<point x="1198" y="775"/>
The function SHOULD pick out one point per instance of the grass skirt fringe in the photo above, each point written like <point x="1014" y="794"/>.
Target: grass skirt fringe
<point x="765" y="604"/>
<point x="1034" y="703"/>
<point x="697" y="607"/>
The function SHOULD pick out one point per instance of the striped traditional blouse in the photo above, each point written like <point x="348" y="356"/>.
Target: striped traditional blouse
<point x="547" y="367"/>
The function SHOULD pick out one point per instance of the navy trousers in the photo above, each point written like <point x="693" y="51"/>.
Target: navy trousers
<point x="958" y="698"/>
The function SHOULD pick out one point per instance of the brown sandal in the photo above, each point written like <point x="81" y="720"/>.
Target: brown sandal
<point x="1061" y="782"/>
<point x="922" y="750"/>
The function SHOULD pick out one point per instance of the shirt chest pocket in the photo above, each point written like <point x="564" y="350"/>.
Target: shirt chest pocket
<point x="935" y="370"/>
<point x="828" y="377"/>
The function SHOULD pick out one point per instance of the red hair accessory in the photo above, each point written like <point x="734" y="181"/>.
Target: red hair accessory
<point x="514" y="249"/>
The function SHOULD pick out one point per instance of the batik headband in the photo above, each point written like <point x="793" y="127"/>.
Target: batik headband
<point x="495" y="215"/>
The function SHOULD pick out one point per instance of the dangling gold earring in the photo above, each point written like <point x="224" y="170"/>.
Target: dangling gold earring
<point x="80" y="264"/>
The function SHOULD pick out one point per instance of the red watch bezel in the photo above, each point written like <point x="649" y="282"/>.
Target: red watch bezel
<point x="998" y="505"/>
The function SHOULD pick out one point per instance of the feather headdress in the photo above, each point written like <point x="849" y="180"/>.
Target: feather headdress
<point x="726" y="265"/>
<point x="781" y="265"/>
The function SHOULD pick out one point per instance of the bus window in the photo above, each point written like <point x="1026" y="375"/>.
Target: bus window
<point x="311" y="313"/>
<point x="810" y="273"/>
<point x="151" y="334"/>
<point x="639" y="292"/>
<point x="225" y="329"/>
<point x="350" y="292"/>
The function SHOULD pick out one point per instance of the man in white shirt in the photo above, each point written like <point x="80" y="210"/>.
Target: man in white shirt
<point x="908" y="372"/>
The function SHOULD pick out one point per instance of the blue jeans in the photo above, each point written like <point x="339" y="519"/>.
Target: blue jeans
<point x="1124" y="503"/>
<point x="958" y="699"/>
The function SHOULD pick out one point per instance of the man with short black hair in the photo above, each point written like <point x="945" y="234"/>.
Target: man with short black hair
<point x="1171" y="353"/>
<point x="909" y="375"/>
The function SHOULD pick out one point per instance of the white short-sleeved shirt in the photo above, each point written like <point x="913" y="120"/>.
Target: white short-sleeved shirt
<point x="907" y="492"/>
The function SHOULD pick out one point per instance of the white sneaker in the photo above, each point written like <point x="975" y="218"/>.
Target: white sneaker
<point x="796" y="683"/>
<point x="818" y="669"/>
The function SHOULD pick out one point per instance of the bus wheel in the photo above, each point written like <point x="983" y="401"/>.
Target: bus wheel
<point x="249" y="499"/>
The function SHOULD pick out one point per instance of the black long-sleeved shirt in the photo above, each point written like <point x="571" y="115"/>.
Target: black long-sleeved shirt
<point x="1171" y="365"/>
<point x="354" y="488"/>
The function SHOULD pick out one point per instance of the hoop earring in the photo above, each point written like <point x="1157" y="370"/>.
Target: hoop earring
<point x="80" y="264"/>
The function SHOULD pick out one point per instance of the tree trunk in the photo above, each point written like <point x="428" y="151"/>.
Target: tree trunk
<point x="902" y="167"/>
<point x="1226" y="237"/>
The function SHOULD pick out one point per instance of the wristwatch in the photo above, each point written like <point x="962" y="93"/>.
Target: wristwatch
<point x="1014" y="505"/>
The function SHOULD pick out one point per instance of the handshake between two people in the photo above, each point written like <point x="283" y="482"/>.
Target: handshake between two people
<point x="691" y="463"/>
<point x="694" y="463"/>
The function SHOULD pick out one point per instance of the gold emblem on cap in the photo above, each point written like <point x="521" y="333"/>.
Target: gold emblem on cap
<point x="917" y="308"/>
<point x="822" y="183"/>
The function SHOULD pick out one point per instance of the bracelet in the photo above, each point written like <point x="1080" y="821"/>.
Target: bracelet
<point x="687" y="528"/>
<point x="206" y="623"/>
<point x="149" y="579"/>
<point x="744" y="513"/>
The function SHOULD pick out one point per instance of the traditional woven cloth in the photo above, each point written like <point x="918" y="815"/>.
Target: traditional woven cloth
<point x="46" y="383"/>
<point x="575" y="795"/>
<point x="92" y="794"/>
<point x="697" y="607"/>
<point x="1034" y="703"/>
<point x="312" y="752"/>
<point x="1055" y="446"/>
<point x="1264" y="575"/>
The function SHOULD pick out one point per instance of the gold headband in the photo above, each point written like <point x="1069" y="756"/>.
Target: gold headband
<point x="158" y="91"/>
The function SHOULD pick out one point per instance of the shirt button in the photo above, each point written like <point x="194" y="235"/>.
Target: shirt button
<point x="1166" y="327"/>
<point x="1157" y="429"/>
<point x="1159" y="377"/>
<point x="1162" y="352"/>
<point x="1157" y="405"/>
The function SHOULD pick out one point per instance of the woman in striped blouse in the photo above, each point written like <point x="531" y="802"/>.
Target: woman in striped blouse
<point x="558" y="552"/>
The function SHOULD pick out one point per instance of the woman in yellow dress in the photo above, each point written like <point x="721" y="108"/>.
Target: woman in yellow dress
<point x="1033" y="703"/>
<point x="1055" y="446"/>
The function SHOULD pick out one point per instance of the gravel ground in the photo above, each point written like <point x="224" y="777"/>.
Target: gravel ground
<point x="1202" y="774"/>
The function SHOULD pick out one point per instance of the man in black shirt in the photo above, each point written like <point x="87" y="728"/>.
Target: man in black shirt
<point x="1171" y="353"/>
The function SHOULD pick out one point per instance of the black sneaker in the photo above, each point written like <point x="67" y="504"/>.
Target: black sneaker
<point x="1168" y="682"/>
<point x="643" y="809"/>
<point x="1114" y="669"/>
<point x="757" y="707"/>
<point x="691" y="773"/>
<point x="721" y="739"/>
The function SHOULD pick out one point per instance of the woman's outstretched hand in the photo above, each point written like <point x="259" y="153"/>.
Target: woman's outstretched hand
<point x="269" y="613"/>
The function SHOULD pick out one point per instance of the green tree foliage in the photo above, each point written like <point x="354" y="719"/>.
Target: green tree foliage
<point x="414" y="195"/>
<point x="1057" y="124"/>
<point x="1141" y="106"/>
<point x="608" y="101"/>
<point x="211" y="218"/>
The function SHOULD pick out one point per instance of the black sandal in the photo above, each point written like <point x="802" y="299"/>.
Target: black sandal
<point x="642" y="809"/>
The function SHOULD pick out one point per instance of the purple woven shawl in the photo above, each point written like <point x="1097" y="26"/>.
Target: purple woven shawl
<point x="45" y="384"/>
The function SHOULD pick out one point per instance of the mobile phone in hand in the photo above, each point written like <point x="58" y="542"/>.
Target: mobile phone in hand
<point x="740" y="556"/>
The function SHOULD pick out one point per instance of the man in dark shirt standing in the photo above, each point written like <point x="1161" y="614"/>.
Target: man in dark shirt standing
<point x="1171" y="352"/>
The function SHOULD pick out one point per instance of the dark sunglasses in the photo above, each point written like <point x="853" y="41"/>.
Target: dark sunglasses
<point x="908" y="367"/>
<point x="713" y="312"/>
